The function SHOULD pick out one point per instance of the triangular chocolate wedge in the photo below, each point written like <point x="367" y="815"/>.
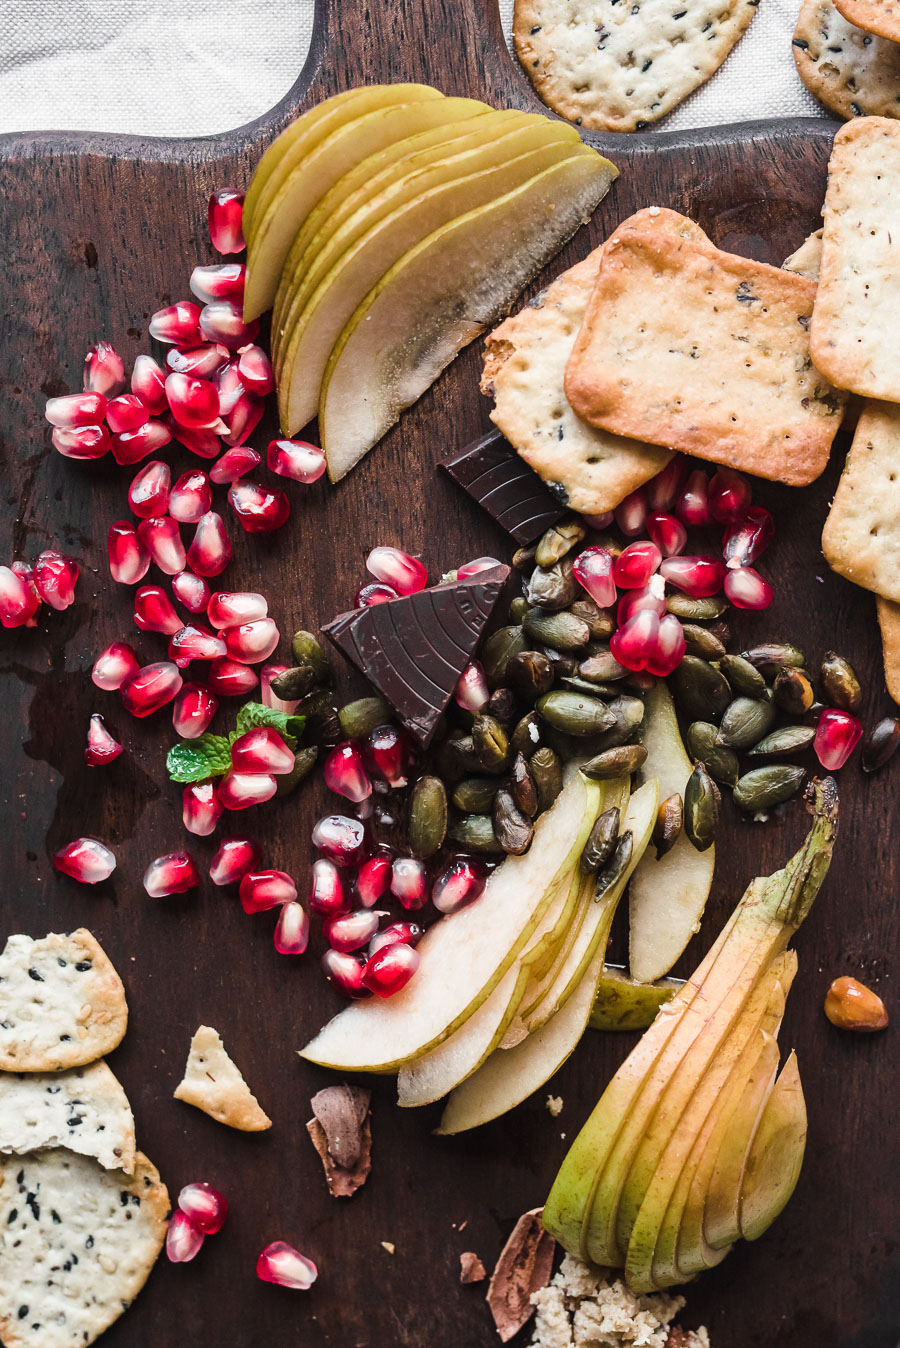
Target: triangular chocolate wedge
<point x="492" y="473"/>
<point x="413" y="649"/>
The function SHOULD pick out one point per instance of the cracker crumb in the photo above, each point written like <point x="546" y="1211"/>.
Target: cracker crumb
<point x="555" y="1105"/>
<point x="471" y="1269"/>
<point x="389" y="1246"/>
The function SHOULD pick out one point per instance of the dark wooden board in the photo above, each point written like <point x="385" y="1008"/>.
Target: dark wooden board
<point x="98" y="231"/>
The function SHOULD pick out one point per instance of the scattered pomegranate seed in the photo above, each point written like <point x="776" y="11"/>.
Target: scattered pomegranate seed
<point x="205" y="1207"/>
<point x="390" y="969"/>
<point x="255" y="371"/>
<point x="18" y="601"/>
<point x="296" y="459"/>
<point x="471" y="691"/>
<point x="327" y="892"/>
<point x="129" y="557"/>
<point x="837" y="735"/>
<point x="151" y="688"/>
<point x="178" y="324"/>
<point x="692" y="506"/>
<point x="635" y="565"/>
<point x="132" y="446"/>
<point x="746" y="588"/>
<point x="292" y="929"/>
<point x="102" y="748"/>
<point x="458" y="885"/>
<point x="154" y="611"/>
<point x="235" y="857"/>
<point x="729" y="495"/>
<point x="148" y="381"/>
<point x="26" y="575"/>
<point x="667" y="532"/>
<point x="191" y="591"/>
<point x="404" y="574"/>
<point x="195" y="706"/>
<point x="86" y="860"/>
<point x="222" y="282"/>
<point x="223" y="321"/>
<point x="259" y="509"/>
<point x="231" y="608"/>
<point x="75" y="409"/>
<point x="194" y="402"/>
<point x="261" y="750"/>
<point x="479" y="564"/>
<point x="668" y="650"/>
<point x="228" y="678"/>
<point x="227" y="380"/>
<point x="747" y="538"/>
<point x="403" y="933"/>
<point x="350" y="931"/>
<point x="282" y="1264"/>
<point x="261" y="890"/>
<point x="204" y="442"/>
<point x="385" y="754"/>
<point x="191" y="497"/>
<point x="340" y="838"/>
<point x="193" y="642"/>
<point x="635" y="642"/>
<point x="651" y="597"/>
<point x="344" y="773"/>
<point x="174" y="873"/>
<point x="662" y="490"/>
<point x="373" y="879"/>
<point x="241" y="790"/>
<point x="600" y="521"/>
<point x="593" y="569"/>
<point x="201" y="808"/>
<point x="114" y="666"/>
<point x="199" y="361"/>
<point x="374" y="594"/>
<point x="148" y="494"/>
<point x="225" y="214"/>
<point x="699" y="577"/>
<point x="210" y="549"/>
<point x="55" y="576"/>
<point x="251" y="642"/>
<point x="183" y="1238"/>
<point x="409" y="883"/>
<point x="270" y="699"/>
<point x="345" y="972"/>
<point x="631" y="513"/>
<point x="126" y="413"/>
<point x="85" y="442"/>
<point x="104" y="371"/>
<point x="233" y="464"/>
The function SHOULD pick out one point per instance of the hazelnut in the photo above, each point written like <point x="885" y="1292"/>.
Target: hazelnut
<point x="850" y="1005"/>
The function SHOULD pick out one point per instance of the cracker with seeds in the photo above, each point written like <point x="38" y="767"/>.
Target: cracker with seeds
<point x="84" y="1109"/>
<point x="614" y="66"/>
<point x="853" y="337"/>
<point x="62" y="1003"/>
<point x="77" y="1244"/>
<point x="213" y="1083"/>
<point x="807" y="260"/>
<point x="524" y="367"/>
<point x="849" y="70"/>
<point x="875" y="16"/>
<point x="889" y="622"/>
<point x="861" y="538"/>
<point x="686" y="346"/>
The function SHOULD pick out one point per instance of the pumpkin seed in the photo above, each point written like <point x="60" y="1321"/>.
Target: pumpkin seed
<point x="790" y="739"/>
<point x="722" y="763"/>
<point x="499" y="649"/>
<point x="456" y="757"/>
<point x="793" y="691"/>
<point x="563" y="665"/>
<point x="620" y="762"/>
<point x="427" y="817"/>
<point x="702" y="642"/>
<point x="812" y="716"/>
<point x="530" y="674"/>
<point x="745" y="721"/>
<point x="523" y="558"/>
<point x="701" y="690"/>
<point x="362" y="716"/>
<point x="616" y="867"/>
<point x="518" y="608"/>
<point x="574" y="713"/>
<point x="546" y="769"/>
<point x="602" y="667"/>
<point x="307" y="650"/>
<point x="322" y="723"/>
<point x="701" y="808"/>
<point x="523" y="786"/>
<point x="557" y="541"/>
<point x="629" y="714"/>
<point x="475" y="795"/>
<point x="770" y="657"/>
<point x="294" y="683"/>
<point x="304" y="762"/>
<point x="600" y="621"/>
<point x="502" y="705"/>
<point x="669" y="824"/>
<point x="552" y="587"/>
<point x="562" y="631"/>
<point x="840" y="683"/>
<point x="475" y="833"/>
<point x="695" y="610"/>
<point x="526" y="736"/>
<point x="512" y="829"/>
<point x="577" y="685"/>
<point x="601" y="840"/>
<point x="491" y="743"/>
<point x="763" y="788"/>
<point x="880" y="744"/>
<point x="744" y="678"/>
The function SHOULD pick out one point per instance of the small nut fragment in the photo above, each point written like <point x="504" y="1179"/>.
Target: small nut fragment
<point x="850" y="1005"/>
<point x="471" y="1269"/>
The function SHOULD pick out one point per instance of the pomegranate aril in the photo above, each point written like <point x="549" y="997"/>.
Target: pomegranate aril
<point x="129" y="557"/>
<point x="193" y="642"/>
<point x="667" y="532"/>
<point x="258" y="509"/>
<point x="652" y="597"/>
<point x="692" y="505"/>
<point x="228" y="678"/>
<point x="132" y="446"/>
<point x="231" y="608"/>
<point x="373" y="879"/>
<point x="635" y="565"/>
<point x="234" y="858"/>
<point x="340" y="838"/>
<point x="116" y="664"/>
<point x="404" y="574"/>
<point x="668" y="650"/>
<point x="282" y="1264"/>
<point x="224" y="217"/>
<point x="233" y="464"/>
<point x="479" y="564"/>
<point x="104" y="371"/>
<point x="255" y="370"/>
<point x="225" y="281"/>
<point x="241" y="790"/>
<point x="126" y="413"/>
<point x="201" y="362"/>
<point x="385" y="754"/>
<point x="148" y="381"/>
<point x="270" y="699"/>
<point x="292" y="929"/>
<point x="746" y="588"/>
<point x="223" y="321"/>
<point x="634" y="643"/>
<point x="837" y="735"/>
<point x="33" y="603"/>
<point x="205" y="1207"/>
<point x="261" y="750"/>
<point x="86" y="860"/>
<point x="593" y="569"/>
<point x="409" y="883"/>
<point x="102" y="748"/>
<point x="601" y="521"/>
<point x="183" y="1239"/>
<point x="75" y="409"/>
<point x="55" y="576"/>
<point x="729" y="495"/>
<point x="205" y="443"/>
<point x="662" y="490"/>
<point x="403" y="933"/>
<point x="374" y="594"/>
<point x="148" y="494"/>
<point x="210" y="549"/>
<point x="698" y="577"/>
<point x="227" y="380"/>
<point x="18" y="601"/>
<point x="191" y="497"/>
<point x="151" y="688"/>
<point x="390" y="969"/>
<point x="459" y="884"/>
<point x="173" y="873"/>
<point x="471" y="691"/>
<point x="631" y="513"/>
<point x="201" y="808"/>
<point x="326" y="895"/>
<point x="177" y="324"/>
<point x="84" y="442"/>
<point x="296" y="459"/>
<point x="154" y="612"/>
<point x="350" y="931"/>
<point x="748" y="537"/>
<point x="344" y="773"/>
<point x="195" y="706"/>
<point x="251" y="642"/>
<point x="191" y="591"/>
<point x="261" y="890"/>
<point x="345" y="972"/>
<point x="194" y="402"/>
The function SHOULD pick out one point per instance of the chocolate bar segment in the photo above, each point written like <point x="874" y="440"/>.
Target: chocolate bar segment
<point x="492" y="473"/>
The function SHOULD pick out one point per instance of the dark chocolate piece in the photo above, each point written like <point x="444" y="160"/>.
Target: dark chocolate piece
<point x="492" y="473"/>
<point x="413" y="649"/>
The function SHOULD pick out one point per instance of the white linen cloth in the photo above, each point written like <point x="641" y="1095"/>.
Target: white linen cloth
<point x="171" y="68"/>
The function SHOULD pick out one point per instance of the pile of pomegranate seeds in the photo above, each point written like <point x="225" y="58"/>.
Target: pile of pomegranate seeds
<point x="201" y="1212"/>
<point x="23" y="588"/>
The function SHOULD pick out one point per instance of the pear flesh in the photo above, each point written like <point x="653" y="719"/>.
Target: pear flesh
<point x="623" y="1004"/>
<point x="776" y="1154"/>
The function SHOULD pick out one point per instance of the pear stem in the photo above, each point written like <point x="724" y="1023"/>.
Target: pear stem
<point x="790" y="893"/>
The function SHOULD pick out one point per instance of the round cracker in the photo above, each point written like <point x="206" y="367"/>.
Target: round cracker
<point x="851" y="71"/>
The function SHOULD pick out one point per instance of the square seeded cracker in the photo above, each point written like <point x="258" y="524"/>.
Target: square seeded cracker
<point x="686" y="346"/>
<point x="861" y="538"/>
<point x="889" y="622"/>
<point x="875" y="16"/>
<point x="853" y="338"/>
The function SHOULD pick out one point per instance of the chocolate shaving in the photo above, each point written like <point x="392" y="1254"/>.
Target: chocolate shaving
<point x="524" y="1267"/>
<point x="471" y="1269"/>
<point x="341" y="1133"/>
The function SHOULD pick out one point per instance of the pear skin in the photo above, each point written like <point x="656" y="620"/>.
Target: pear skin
<point x="776" y="1154"/>
<point x="623" y="1004"/>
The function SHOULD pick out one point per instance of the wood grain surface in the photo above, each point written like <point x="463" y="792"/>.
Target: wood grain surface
<point x="98" y="231"/>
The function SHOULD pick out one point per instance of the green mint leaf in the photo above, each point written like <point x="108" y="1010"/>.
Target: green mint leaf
<point x="195" y="760"/>
<point x="254" y="714"/>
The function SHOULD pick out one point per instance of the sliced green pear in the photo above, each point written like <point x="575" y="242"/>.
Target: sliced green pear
<point x="623" y="1004"/>
<point x="464" y="955"/>
<point x="439" y="296"/>
<point x="776" y="1154"/>
<point x="667" y="895"/>
<point x="300" y="181"/>
<point x="462" y="183"/>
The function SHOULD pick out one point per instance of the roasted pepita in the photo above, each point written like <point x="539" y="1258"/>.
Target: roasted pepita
<point x="701" y="808"/>
<point x="512" y="829"/>
<point x="557" y="541"/>
<point x="702" y="642"/>
<point x="526" y="736"/>
<point x="491" y="743"/>
<point x="362" y="716"/>
<point x="307" y="650"/>
<point x="602" y="667"/>
<point x="695" y="610"/>
<point x="575" y="713"/>
<point x="304" y="762"/>
<point x="427" y="817"/>
<point x="842" y="688"/>
<point x="530" y="674"/>
<point x="764" y="788"/>
<point x="700" y="690"/>
<point x="475" y="833"/>
<point x="293" y="684"/>
<point x="600" y="621"/>
<point x="790" y="739"/>
<point x="669" y="824"/>
<point x="620" y="762"/>
<point x="523" y="786"/>
<point x="702" y="743"/>
<point x="552" y="587"/>
<point x="546" y="769"/>
<point x="793" y="690"/>
<point x="475" y="795"/>
<point x="770" y="657"/>
<point x="616" y="867"/>
<point x="745" y="679"/>
<point x="745" y="721"/>
<point x="499" y="649"/>
<point x="563" y="631"/>
<point x="880" y="744"/>
<point x="601" y="841"/>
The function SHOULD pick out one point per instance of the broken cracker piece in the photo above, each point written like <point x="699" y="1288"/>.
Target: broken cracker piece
<point x="471" y="1269"/>
<point x="861" y="537"/>
<point x="341" y="1133"/>
<point x="523" y="1268"/>
<point x="84" y="1109"/>
<point x="889" y="622"/>
<point x="213" y="1083"/>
